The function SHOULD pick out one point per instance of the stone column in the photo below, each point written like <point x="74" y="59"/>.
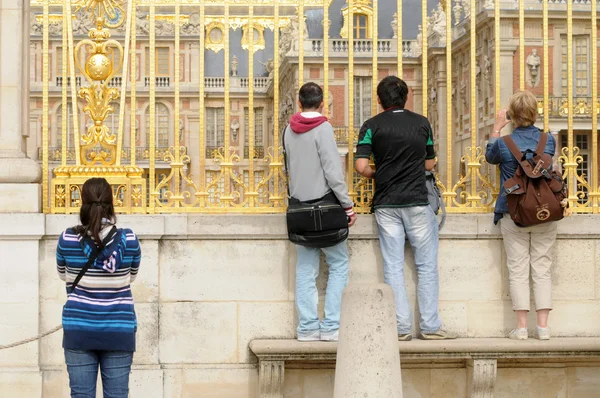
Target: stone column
<point x="442" y="117"/>
<point x="19" y="175"/>
<point x="20" y="374"/>
<point x="368" y="356"/>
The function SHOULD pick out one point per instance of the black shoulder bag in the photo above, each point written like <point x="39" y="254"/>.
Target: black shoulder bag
<point x="93" y="256"/>
<point x="315" y="223"/>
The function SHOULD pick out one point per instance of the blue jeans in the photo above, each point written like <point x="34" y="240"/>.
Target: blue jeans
<point x="115" y="367"/>
<point x="307" y="296"/>
<point x="419" y="225"/>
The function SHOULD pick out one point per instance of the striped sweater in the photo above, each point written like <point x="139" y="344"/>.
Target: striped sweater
<point x="99" y="314"/>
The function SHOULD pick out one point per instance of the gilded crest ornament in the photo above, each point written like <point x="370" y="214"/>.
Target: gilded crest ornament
<point x="98" y="146"/>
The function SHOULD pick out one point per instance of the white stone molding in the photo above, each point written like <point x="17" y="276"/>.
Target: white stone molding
<point x="19" y="175"/>
<point x="483" y="378"/>
<point x="270" y="379"/>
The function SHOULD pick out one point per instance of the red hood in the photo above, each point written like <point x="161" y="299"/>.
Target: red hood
<point x="301" y="124"/>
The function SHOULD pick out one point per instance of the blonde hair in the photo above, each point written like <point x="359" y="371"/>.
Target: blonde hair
<point x="523" y="109"/>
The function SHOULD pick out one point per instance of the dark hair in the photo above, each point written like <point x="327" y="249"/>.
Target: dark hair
<point x="311" y="96"/>
<point x="97" y="203"/>
<point x="392" y="92"/>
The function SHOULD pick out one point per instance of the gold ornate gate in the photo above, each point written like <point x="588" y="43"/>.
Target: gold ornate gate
<point x="180" y="103"/>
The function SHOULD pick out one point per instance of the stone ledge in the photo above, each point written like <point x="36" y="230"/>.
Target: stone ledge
<point x="272" y="226"/>
<point x="469" y="347"/>
<point x="481" y="357"/>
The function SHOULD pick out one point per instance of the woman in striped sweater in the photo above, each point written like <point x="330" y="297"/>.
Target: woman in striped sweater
<point x="99" y="320"/>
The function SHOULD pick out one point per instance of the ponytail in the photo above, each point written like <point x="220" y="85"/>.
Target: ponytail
<point x="97" y="204"/>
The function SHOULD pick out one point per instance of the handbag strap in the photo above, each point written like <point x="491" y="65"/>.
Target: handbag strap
<point x="443" y="221"/>
<point x="285" y="160"/>
<point x="93" y="256"/>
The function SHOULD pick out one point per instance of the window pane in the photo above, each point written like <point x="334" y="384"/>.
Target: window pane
<point x="59" y="124"/>
<point x="59" y="69"/>
<point x="162" y="126"/>
<point x="113" y="118"/>
<point x="363" y="21"/>
<point x="211" y="127"/>
<point x="162" y="61"/>
<point x="220" y="127"/>
<point x="246" y="126"/>
<point x="258" y="126"/>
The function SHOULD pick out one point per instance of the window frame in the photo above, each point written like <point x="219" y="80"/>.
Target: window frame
<point x="216" y="141"/>
<point x="363" y="93"/>
<point x="157" y="61"/>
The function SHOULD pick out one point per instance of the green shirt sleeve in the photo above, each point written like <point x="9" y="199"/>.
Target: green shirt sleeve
<point x="364" y="149"/>
<point x="429" y="149"/>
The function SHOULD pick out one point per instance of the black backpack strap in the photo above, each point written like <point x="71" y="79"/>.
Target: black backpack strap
<point x="93" y="256"/>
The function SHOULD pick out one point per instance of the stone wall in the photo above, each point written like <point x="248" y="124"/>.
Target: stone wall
<point x="208" y="285"/>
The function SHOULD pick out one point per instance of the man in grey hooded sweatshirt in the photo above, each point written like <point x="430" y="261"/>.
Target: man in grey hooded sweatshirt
<point x="315" y="169"/>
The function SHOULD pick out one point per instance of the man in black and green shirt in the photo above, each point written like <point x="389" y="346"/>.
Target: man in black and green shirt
<point x="401" y="143"/>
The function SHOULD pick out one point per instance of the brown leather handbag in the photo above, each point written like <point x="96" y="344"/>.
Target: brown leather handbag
<point x="536" y="194"/>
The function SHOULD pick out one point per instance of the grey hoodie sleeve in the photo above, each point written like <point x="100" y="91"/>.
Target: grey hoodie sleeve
<point x="332" y="165"/>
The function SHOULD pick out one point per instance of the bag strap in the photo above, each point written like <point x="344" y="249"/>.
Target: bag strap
<point x="541" y="148"/>
<point x="512" y="146"/>
<point x="93" y="256"/>
<point x="285" y="160"/>
<point x="443" y="221"/>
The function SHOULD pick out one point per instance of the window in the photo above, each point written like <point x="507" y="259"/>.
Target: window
<point x="215" y="127"/>
<point x="262" y="197"/>
<point x="162" y="61"/>
<point x="112" y="120"/>
<point x="162" y="126"/>
<point x="59" y="62"/>
<point x="583" y="169"/>
<point x="215" y="191"/>
<point x="362" y="100"/>
<point x="59" y="125"/>
<point x="360" y="26"/>
<point x="581" y="69"/>
<point x="258" y="127"/>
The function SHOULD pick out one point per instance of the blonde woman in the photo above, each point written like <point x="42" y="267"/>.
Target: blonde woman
<point x="527" y="248"/>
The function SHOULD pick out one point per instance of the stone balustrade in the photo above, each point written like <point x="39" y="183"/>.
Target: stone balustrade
<point x="362" y="48"/>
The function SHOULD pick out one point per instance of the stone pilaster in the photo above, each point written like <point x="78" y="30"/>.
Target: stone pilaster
<point x="19" y="175"/>
<point x="483" y="378"/>
<point x="270" y="379"/>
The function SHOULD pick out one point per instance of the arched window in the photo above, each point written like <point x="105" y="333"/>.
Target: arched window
<point x="162" y="126"/>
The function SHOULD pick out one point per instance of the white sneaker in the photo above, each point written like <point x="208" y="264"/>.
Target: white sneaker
<point x="315" y="335"/>
<point x="518" y="334"/>
<point x="330" y="336"/>
<point x="543" y="333"/>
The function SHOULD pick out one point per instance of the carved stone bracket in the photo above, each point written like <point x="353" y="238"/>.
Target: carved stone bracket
<point x="270" y="379"/>
<point x="484" y="378"/>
